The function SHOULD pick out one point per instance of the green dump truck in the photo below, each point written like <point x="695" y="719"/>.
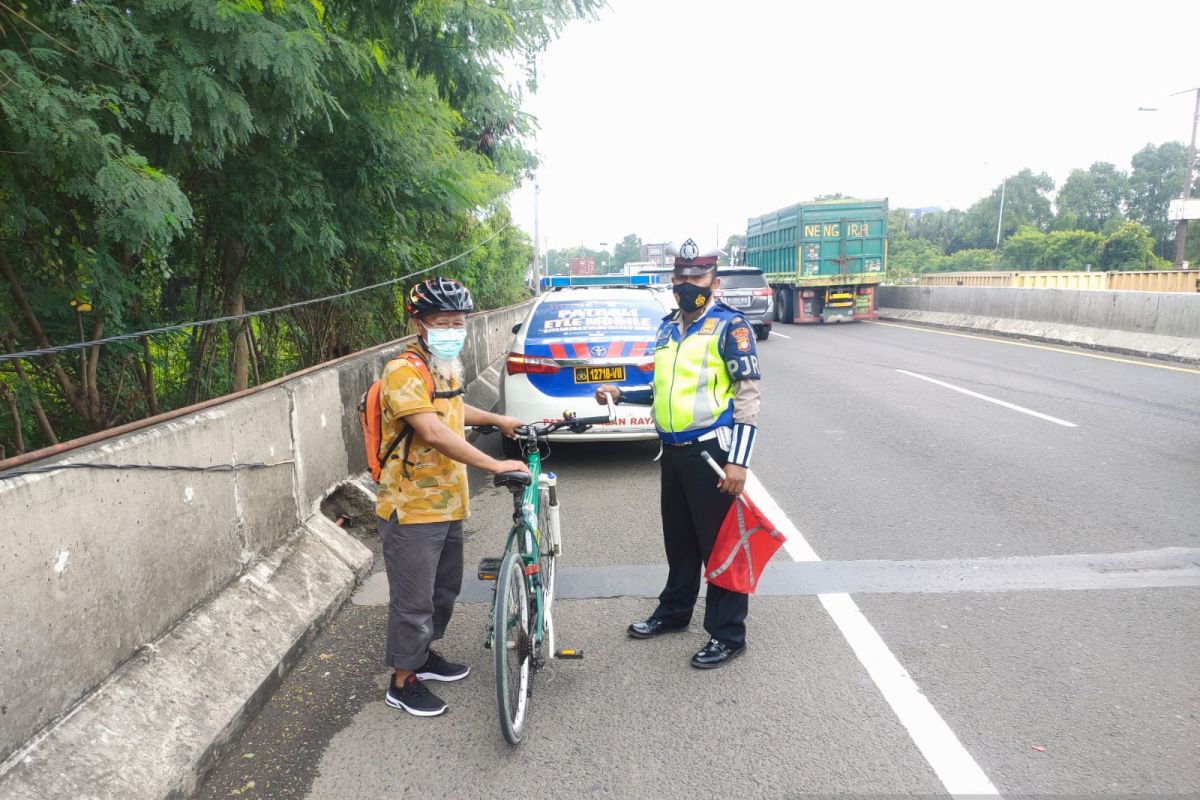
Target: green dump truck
<point x="822" y="259"/>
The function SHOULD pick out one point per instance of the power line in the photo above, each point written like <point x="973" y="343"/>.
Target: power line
<point x="124" y="337"/>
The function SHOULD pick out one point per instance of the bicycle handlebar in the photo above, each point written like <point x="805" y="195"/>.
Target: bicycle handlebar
<point x="575" y="424"/>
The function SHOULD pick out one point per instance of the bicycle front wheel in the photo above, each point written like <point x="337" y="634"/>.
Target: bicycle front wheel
<point x="513" y="647"/>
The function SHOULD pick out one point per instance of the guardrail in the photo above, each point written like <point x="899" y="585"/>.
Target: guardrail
<point x="1159" y="280"/>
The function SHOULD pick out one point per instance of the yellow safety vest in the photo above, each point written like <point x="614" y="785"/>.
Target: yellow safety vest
<point x="692" y="390"/>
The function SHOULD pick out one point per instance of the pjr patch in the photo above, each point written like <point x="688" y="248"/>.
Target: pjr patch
<point x="709" y="325"/>
<point x="743" y="338"/>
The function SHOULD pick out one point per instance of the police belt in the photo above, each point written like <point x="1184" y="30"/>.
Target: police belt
<point x="708" y="437"/>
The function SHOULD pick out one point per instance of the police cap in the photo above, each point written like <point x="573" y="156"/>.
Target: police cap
<point x="689" y="261"/>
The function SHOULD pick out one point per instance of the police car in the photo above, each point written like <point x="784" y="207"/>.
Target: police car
<point x="583" y="332"/>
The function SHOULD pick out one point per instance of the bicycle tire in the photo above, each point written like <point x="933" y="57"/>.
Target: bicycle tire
<point x="547" y="562"/>
<point x="513" y="647"/>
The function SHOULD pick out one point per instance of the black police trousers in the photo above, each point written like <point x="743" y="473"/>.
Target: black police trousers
<point x="693" y="509"/>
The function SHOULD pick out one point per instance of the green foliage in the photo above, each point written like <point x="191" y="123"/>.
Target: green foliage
<point x="1091" y="200"/>
<point x="1030" y="249"/>
<point x="181" y="159"/>
<point x="1130" y="247"/>
<point x="973" y="260"/>
<point x="628" y="249"/>
<point x="1026" y="202"/>
<point x="1156" y="180"/>
<point x="910" y="255"/>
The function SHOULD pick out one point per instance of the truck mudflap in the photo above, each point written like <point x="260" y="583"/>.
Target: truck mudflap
<point x="864" y="303"/>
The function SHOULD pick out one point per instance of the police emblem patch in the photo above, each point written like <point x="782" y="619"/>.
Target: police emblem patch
<point x="742" y="335"/>
<point x="709" y="326"/>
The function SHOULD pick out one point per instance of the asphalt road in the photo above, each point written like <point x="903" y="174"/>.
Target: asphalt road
<point x="991" y="586"/>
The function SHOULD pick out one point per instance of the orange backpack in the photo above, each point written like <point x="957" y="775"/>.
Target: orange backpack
<point x="370" y="418"/>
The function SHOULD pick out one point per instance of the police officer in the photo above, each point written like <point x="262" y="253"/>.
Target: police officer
<point x="706" y="398"/>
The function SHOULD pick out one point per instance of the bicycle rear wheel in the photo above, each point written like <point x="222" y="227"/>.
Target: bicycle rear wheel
<point x="513" y="647"/>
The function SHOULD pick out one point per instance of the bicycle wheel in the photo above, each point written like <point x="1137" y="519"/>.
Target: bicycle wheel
<point x="547" y="562"/>
<point x="513" y="647"/>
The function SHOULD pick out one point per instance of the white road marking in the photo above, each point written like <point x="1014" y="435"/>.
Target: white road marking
<point x="1004" y="403"/>
<point x="950" y="761"/>
<point x="780" y="335"/>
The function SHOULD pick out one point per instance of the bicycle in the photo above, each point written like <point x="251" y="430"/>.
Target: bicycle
<point x="523" y="597"/>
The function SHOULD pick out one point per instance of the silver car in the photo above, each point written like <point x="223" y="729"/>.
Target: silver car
<point x="746" y="290"/>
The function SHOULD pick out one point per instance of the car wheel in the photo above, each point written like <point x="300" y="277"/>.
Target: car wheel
<point x="762" y="332"/>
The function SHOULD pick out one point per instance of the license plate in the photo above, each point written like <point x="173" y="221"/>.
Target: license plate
<point x="740" y="302"/>
<point x="599" y="374"/>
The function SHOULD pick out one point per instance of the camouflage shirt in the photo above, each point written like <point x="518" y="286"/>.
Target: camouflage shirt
<point x="436" y="490"/>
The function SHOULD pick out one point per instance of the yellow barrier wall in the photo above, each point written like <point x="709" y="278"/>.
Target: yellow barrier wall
<point x="1159" y="280"/>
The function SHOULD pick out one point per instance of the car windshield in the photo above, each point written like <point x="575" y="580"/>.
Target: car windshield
<point x="744" y="280"/>
<point x="633" y="317"/>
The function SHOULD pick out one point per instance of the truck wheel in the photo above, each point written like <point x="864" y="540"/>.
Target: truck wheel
<point x="783" y="306"/>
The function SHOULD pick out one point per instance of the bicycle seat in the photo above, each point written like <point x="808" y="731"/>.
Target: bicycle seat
<point x="513" y="480"/>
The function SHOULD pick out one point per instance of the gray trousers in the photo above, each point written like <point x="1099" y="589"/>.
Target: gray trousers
<point x="425" y="569"/>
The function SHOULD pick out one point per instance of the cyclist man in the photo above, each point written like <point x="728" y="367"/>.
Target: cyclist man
<point x="706" y="399"/>
<point x="423" y="497"/>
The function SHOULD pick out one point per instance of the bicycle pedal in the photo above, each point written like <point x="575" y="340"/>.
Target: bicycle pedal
<point x="569" y="653"/>
<point x="489" y="568"/>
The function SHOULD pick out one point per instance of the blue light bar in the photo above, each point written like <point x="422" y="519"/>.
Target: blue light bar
<point x="555" y="281"/>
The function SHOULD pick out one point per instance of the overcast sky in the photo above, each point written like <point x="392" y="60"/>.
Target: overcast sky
<point x="669" y="118"/>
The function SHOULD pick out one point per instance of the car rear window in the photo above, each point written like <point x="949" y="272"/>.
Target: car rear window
<point x="743" y="280"/>
<point x="608" y="317"/>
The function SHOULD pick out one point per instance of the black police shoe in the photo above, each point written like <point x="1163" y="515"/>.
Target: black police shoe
<point x="653" y="627"/>
<point x="716" y="654"/>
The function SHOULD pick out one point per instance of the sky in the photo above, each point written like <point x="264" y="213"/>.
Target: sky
<point x="681" y="118"/>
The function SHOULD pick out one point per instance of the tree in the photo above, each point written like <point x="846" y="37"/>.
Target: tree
<point x="181" y="160"/>
<point x="910" y="255"/>
<point x="1025" y="249"/>
<point x="1026" y="202"/>
<point x="628" y="249"/>
<point x="1092" y="200"/>
<point x="1130" y="247"/>
<point x="1156" y="180"/>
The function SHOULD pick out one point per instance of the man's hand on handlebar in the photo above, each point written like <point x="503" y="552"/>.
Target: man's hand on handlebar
<point x="606" y="392"/>
<point x="508" y="426"/>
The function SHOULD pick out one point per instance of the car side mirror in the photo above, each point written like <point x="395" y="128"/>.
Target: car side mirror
<point x="516" y="327"/>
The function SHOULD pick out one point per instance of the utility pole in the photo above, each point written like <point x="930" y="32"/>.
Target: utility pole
<point x="1182" y="225"/>
<point x="1000" y="221"/>
<point x="537" y="240"/>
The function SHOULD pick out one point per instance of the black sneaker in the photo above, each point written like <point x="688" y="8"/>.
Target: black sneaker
<point x="414" y="698"/>
<point x="437" y="668"/>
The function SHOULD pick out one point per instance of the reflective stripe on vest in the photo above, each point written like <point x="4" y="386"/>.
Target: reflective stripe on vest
<point x="691" y="385"/>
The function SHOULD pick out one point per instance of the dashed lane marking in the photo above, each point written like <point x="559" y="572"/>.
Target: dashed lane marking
<point x="989" y="399"/>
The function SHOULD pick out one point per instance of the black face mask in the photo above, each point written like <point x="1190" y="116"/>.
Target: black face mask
<point x="692" y="298"/>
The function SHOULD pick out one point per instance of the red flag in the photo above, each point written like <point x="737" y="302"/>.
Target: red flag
<point x="744" y="545"/>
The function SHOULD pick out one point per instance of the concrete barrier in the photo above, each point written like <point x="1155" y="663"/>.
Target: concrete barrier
<point x="1155" y="324"/>
<point x="146" y="613"/>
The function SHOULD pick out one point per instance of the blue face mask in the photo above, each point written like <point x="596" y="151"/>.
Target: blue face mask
<point x="446" y="343"/>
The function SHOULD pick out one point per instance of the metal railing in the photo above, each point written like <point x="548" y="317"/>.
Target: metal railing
<point x="1158" y="280"/>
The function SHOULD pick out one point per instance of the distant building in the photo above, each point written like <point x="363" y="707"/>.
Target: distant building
<point x="917" y="213"/>
<point x="657" y="253"/>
